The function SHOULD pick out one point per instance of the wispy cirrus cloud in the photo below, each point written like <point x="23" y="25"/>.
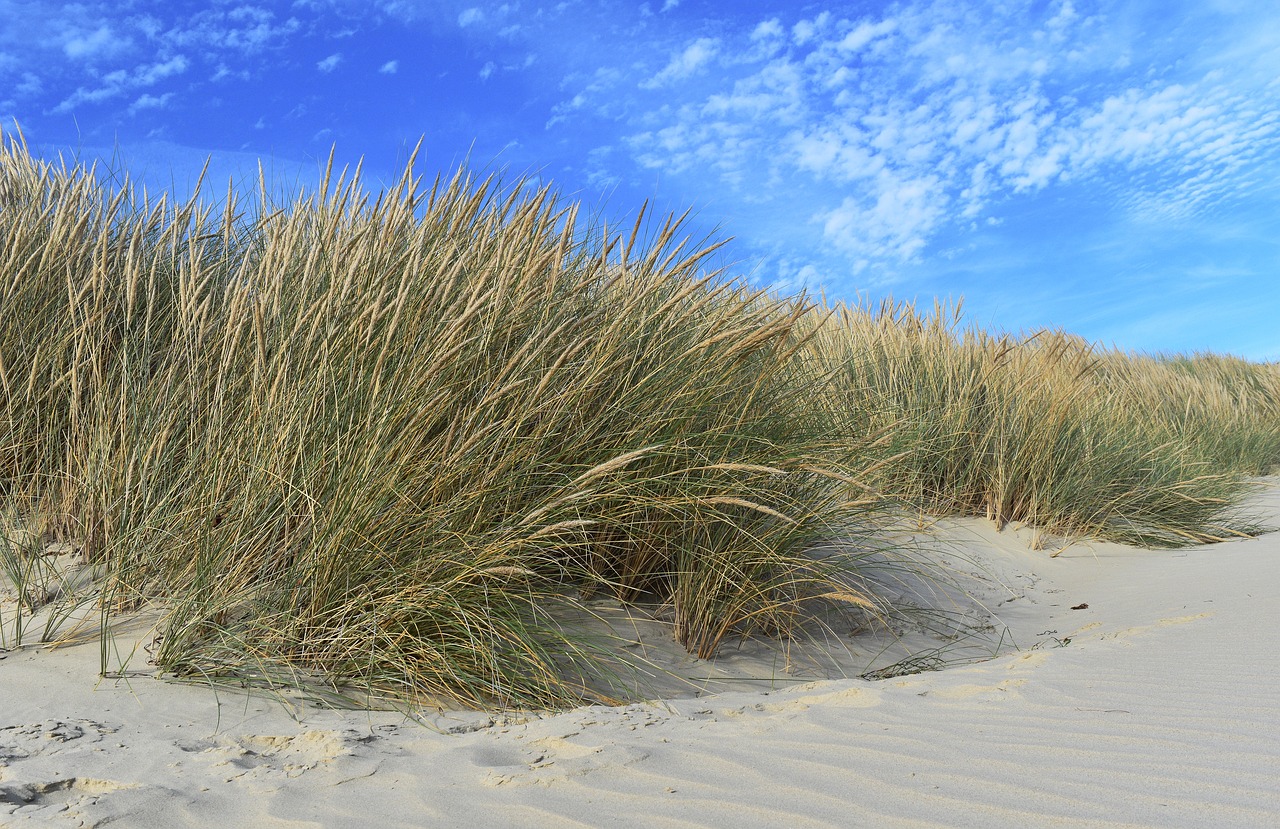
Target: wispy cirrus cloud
<point x="694" y="57"/>
<point x="121" y="82"/>
<point x="895" y="126"/>
<point x="241" y="29"/>
<point x="90" y="52"/>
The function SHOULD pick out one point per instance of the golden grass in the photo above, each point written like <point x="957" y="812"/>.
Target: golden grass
<point x="390" y="443"/>
<point x="1049" y="430"/>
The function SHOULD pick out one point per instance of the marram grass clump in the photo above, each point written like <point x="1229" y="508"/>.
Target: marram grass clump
<point x="391" y="444"/>
<point x="384" y="442"/>
<point x="1049" y="430"/>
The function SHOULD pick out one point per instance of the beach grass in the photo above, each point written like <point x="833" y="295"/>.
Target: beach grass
<point x="1049" y="430"/>
<point x="389" y="442"/>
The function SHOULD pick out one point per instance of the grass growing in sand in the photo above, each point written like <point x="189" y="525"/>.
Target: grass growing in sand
<point x="390" y="443"/>
<point x="1051" y="431"/>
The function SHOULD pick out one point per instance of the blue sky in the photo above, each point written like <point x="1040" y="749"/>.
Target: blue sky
<point x="1106" y="167"/>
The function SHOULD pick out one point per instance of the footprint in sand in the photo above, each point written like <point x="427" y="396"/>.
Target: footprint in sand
<point x="58" y="792"/>
<point x="284" y="755"/>
<point x="66" y="801"/>
<point x="49" y="737"/>
<point x="545" y="760"/>
<point x="1163" y="623"/>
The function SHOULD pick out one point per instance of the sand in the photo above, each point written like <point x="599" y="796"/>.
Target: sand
<point x="1157" y="705"/>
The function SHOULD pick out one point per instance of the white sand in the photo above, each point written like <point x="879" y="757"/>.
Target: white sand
<point x="1162" y="710"/>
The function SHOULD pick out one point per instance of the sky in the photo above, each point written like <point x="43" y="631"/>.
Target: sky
<point x="1107" y="167"/>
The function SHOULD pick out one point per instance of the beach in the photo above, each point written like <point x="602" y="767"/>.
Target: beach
<point x="1138" y="688"/>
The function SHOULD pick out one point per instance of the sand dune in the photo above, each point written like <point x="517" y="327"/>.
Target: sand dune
<point x="1157" y="705"/>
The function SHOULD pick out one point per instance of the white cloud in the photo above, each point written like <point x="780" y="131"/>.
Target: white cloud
<point x="892" y="219"/>
<point x="30" y="85"/>
<point x="149" y="25"/>
<point x="864" y="34"/>
<point x="601" y="95"/>
<point x="776" y="93"/>
<point x="330" y="63"/>
<point x="100" y="41"/>
<point x="694" y="57"/>
<point x="149" y="101"/>
<point x="893" y="127"/>
<point x="807" y="30"/>
<point x="1192" y="146"/>
<point x="149" y="75"/>
<point x="790" y="277"/>
<point x="86" y="96"/>
<point x="487" y="70"/>
<point x="1066" y="14"/>
<point x="470" y="17"/>
<point x="390" y="67"/>
<point x="223" y="72"/>
<point x="670" y="4"/>
<point x="120" y="82"/>
<point x="768" y="30"/>
<point x="601" y="170"/>
<point x="244" y="29"/>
